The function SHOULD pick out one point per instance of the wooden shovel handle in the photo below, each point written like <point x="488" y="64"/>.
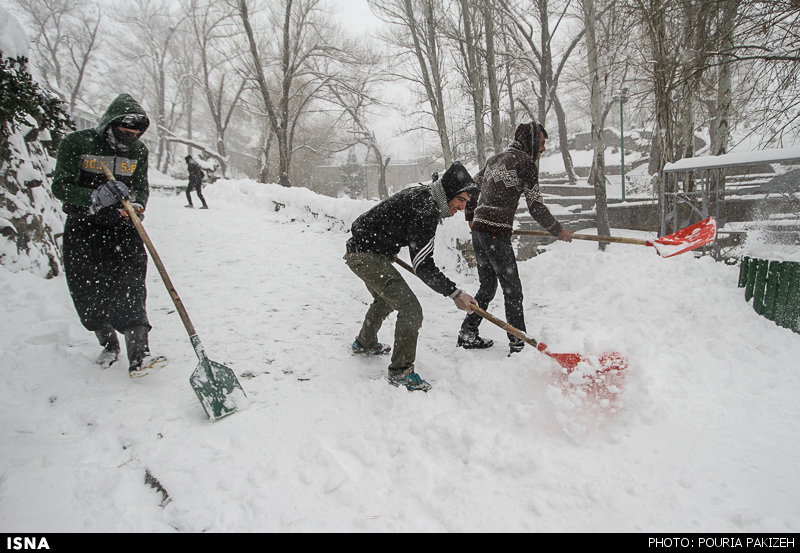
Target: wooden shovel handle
<point x="592" y="237"/>
<point x="155" y="257"/>
<point x="488" y="316"/>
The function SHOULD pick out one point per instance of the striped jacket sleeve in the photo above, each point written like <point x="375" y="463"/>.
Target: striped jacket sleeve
<point x="422" y="235"/>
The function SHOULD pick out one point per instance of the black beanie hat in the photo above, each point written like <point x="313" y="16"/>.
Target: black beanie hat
<point x="456" y="180"/>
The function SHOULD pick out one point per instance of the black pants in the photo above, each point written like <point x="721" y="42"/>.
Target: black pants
<point x="105" y="266"/>
<point x="496" y="263"/>
<point x="197" y="187"/>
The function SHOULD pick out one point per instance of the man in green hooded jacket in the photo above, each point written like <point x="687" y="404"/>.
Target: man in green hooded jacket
<point x="105" y="261"/>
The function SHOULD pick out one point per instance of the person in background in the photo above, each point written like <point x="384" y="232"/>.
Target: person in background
<point x="195" y="181"/>
<point x="503" y="179"/>
<point x="105" y="261"/>
<point x="407" y="218"/>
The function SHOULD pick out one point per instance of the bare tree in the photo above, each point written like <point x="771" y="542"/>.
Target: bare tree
<point x="540" y="62"/>
<point x="213" y="27"/>
<point x="356" y="92"/>
<point x="489" y="13"/>
<point x="767" y="42"/>
<point x="153" y="26"/>
<point x="291" y="57"/>
<point x="65" y="39"/>
<point x="417" y="33"/>
<point x="465" y="31"/>
<point x="597" y="176"/>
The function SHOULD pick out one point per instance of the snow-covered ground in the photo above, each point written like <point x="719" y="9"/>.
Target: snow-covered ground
<point x="701" y="437"/>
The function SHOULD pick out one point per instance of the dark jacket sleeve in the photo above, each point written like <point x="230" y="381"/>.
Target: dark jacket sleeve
<point x="65" y="185"/>
<point x="420" y="245"/>
<point x="533" y="198"/>
<point x="140" y="184"/>
<point x="469" y="211"/>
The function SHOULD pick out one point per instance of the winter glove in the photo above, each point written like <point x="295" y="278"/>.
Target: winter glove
<point x="138" y="208"/>
<point x="107" y="194"/>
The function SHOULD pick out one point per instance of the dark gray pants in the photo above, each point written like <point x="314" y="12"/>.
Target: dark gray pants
<point x="389" y="293"/>
<point x="496" y="263"/>
<point x="198" y="188"/>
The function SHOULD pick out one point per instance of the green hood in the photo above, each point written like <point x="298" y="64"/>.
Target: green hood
<point x="123" y="104"/>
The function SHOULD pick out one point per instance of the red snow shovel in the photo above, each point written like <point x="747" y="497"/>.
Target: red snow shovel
<point x="214" y="384"/>
<point x="607" y="362"/>
<point x="676" y="243"/>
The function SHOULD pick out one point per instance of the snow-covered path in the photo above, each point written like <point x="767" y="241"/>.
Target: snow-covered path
<point x="701" y="438"/>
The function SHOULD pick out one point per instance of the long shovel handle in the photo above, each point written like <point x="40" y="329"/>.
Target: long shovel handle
<point x="592" y="237"/>
<point x="156" y="259"/>
<point x="569" y="361"/>
<point x="488" y="316"/>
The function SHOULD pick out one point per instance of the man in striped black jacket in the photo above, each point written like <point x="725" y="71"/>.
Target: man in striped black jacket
<point x="407" y="218"/>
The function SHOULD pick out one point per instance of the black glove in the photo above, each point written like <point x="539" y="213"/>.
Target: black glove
<point x="107" y="194"/>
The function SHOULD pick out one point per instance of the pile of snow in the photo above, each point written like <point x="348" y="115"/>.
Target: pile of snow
<point x="13" y="40"/>
<point x="700" y="436"/>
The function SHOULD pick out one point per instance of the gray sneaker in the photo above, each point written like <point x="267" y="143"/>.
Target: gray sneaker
<point x="376" y="349"/>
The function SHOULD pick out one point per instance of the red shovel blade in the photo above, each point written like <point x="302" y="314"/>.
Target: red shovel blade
<point x="598" y="377"/>
<point x="686" y="239"/>
<point x="604" y="363"/>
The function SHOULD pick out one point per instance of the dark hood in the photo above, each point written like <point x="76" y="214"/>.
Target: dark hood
<point x="124" y="104"/>
<point x="527" y="138"/>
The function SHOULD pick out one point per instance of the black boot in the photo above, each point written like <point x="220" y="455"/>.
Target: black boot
<point x="137" y="347"/>
<point x="515" y="345"/>
<point x="471" y="340"/>
<point x="107" y="337"/>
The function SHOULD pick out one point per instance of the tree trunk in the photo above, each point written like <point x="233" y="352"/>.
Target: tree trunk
<point x="563" y="140"/>
<point x="475" y="82"/>
<point x="491" y="76"/>
<point x="429" y="68"/>
<point x="720" y="127"/>
<point x="597" y="175"/>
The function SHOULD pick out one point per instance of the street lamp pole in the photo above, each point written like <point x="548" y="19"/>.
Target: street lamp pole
<point x="623" y="97"/>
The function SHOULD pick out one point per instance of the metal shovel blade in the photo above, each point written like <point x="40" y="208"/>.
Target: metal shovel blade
<point x="217" y="388"/>
<point x="689" y="238"/>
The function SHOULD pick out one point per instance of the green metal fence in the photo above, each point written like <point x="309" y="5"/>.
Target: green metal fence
<point x="774" y="287"/>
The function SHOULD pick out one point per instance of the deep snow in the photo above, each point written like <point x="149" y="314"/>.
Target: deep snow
<point x="701" y="437"/>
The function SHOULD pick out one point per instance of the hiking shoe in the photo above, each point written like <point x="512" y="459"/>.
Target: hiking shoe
<point x="107" y="337"/>
<point x="473" y="341"/>
<point x="142" y="367"/>
<point x="107" y="357"/>
<point x="204" y="207"/>
<point x="515" y="346"/>
<point x="409" y="379"/>
<point x="377" y="349"/>
<point x="188" y="205"/>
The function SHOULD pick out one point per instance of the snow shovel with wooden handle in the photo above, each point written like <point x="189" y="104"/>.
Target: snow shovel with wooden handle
<point x="604" y="363"/>
<point x="684" y="240"/>
<point x="216" y="385"/>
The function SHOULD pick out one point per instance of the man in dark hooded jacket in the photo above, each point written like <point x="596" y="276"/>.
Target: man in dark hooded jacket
<point x="105" y="261"/>
<point x="503" y="179"/>
<point x="407" y="218"/>
<point x="195" y="182"/>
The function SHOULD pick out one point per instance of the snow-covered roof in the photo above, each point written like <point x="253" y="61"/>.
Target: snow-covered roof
<point x="731" y="160"/>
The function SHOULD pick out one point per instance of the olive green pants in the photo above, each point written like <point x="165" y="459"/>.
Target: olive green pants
<point x="389" y="293"/>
